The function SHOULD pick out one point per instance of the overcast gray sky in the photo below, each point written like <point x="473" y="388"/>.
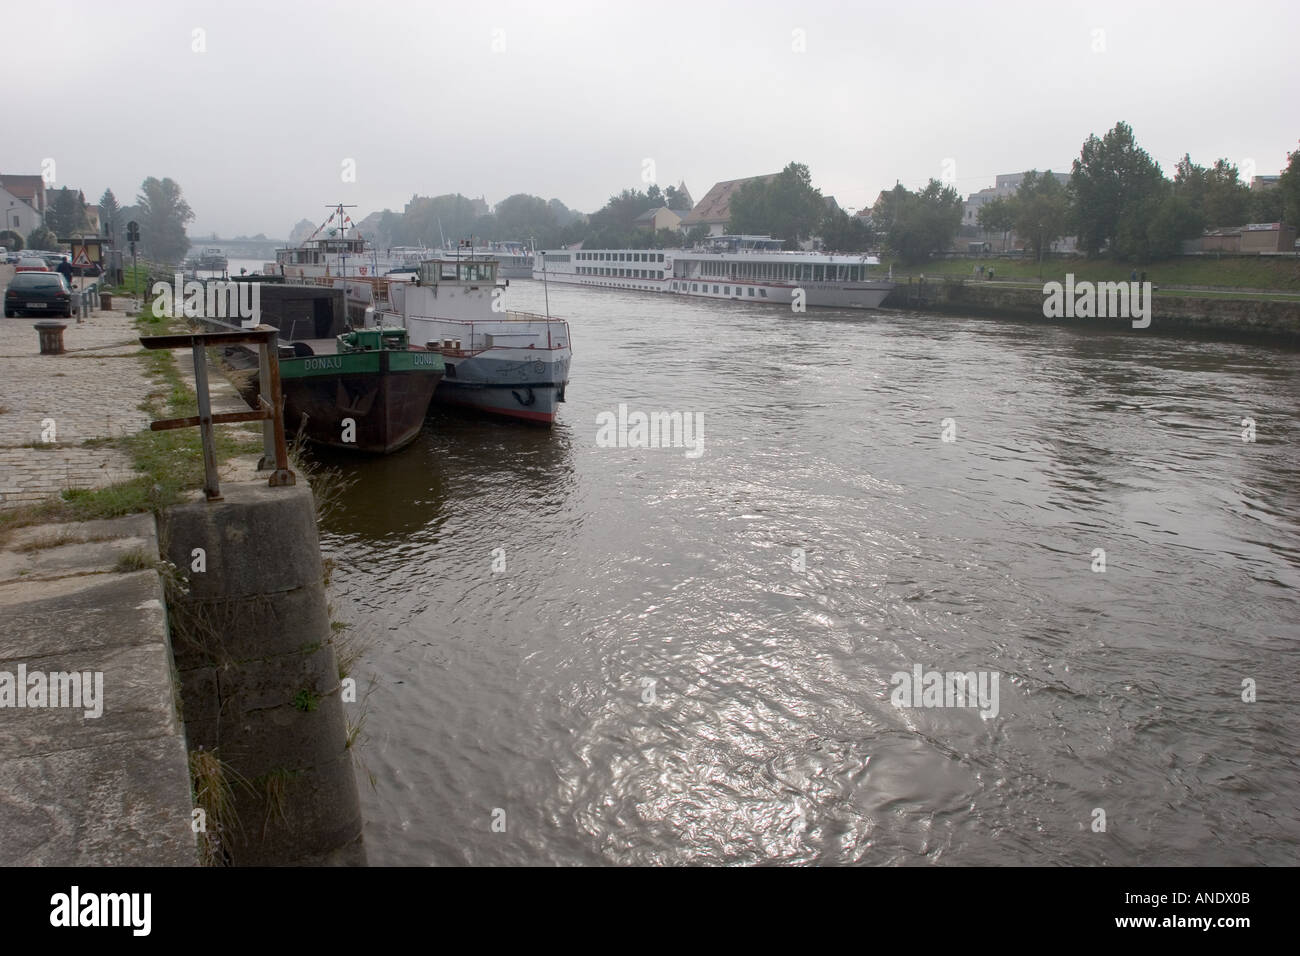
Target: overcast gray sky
<point x="569" y="100"/>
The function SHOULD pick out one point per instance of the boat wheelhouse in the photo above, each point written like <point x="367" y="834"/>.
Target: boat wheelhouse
<point x="747" y="268"/>
<point x="329" y="256"/>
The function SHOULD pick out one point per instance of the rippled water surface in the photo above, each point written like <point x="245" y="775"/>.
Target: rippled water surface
<point x="653" y="678"/>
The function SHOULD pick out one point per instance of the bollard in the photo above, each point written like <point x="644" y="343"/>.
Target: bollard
<point x="51" y="334"/>
<point x="105" y="302"/>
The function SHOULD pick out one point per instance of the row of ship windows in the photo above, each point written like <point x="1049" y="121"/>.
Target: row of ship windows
<point x="622" y="256"/>
<point x="796" y="272"/>
<point x="695" y="287"/>
<point x="627" y="273"/>
<point x="644" y="274"/>
<point x="726" y="289"/>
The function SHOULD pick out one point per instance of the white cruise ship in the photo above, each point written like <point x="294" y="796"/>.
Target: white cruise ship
<point x="749" y="268"/>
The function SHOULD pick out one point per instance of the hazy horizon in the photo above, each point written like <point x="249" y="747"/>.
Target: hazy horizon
<point x="569" y="100"/>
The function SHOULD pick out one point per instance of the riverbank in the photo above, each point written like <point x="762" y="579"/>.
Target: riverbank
<point x="1266" y="275"/>
<point x="181" y="736"/>
<point x="1243" y="317"/>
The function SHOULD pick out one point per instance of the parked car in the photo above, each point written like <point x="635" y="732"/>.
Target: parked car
<point x="45" y="293"/>
<point x="32" y="264"/>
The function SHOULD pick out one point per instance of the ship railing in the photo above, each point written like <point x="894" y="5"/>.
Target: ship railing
<point x="474" y="332"/>
<point x="270" y="400"/>
<point x="792" y="283"/>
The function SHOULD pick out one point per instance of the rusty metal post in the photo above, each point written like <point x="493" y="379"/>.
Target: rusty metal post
<point x="282" y="475"/>
<point x="271" y="410"/>
<point x="264" y="398"/>
<point x="211" y="487"/>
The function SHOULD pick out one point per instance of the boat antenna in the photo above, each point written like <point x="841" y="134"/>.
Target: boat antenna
<point x="442" y="238"/>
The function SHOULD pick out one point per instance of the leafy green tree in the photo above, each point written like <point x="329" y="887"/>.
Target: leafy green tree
<point x="997" y="215"/>
<point x="696" y="234"/>
<point x="42" y="237"/>
<point x="563" y="215"/>
<point x="11" y="240"/>
<point x="1266" y="205"/>
<point x="66" y="211"/>
<point x="522" y="217"/>
<point x="1289" y="185"/>
<point x="109" y="211"/>
<point x="426" y="220"/>
<point x="787" y="206"/>
<point x="1111" y="179"/>
<point x="841" y="232"/>
<point x="1042" y="210"/>
<point x="918" y="224"/>
<point x="165" y="215"/>
<point x="1175" y="219"/>
<point x="677" y="200"/>
<point x="886" y="208"/>
<point x="614" y="225"/>
<point x="1215" y="194"/>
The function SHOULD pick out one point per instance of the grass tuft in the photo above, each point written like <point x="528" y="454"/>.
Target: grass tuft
<point x="214" y="781"/>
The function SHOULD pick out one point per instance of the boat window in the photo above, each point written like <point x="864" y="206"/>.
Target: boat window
<point x="751" y="290"/>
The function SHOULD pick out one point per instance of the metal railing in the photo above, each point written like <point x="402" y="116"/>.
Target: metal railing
<point x="270" y="398"/>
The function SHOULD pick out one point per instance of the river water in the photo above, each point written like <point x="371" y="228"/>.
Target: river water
<point x="689" y="658"/>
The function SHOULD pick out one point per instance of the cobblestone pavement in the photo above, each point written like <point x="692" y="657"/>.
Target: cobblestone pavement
<point x="54" y="408"/>
<point x="60" y="402"/>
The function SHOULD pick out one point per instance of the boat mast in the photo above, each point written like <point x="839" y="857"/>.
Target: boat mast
<point x="546" y="291"/>
<point x="343" y="233"/>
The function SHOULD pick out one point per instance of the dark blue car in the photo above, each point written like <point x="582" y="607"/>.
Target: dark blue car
<point x="38" y="293"/>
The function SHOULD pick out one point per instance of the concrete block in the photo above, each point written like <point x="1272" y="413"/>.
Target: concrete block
<point x="248" y="628"/>
<point x="137" y="703"/>
<point x="283" y="738"/>
<point x="258" y="540"/>
<point x="50" y="618"/>
<point x="275" y="681"/>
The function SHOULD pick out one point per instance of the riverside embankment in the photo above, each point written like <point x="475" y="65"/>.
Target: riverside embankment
<point x="152" y="711"/>
<point x="1222" y="315"/>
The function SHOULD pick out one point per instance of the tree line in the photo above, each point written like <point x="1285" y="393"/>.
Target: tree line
<point x="432" y="220"/>
<point x="160" y="209"/>
<point x="1119" y="201"/>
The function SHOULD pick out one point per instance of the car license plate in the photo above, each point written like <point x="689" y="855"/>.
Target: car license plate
<point x="35" y="305"/>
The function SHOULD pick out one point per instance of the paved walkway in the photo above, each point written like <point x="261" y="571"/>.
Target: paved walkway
<point x="79" y="788"/>
<point x="55" y="410"/>
<point x="52" y="405"/>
